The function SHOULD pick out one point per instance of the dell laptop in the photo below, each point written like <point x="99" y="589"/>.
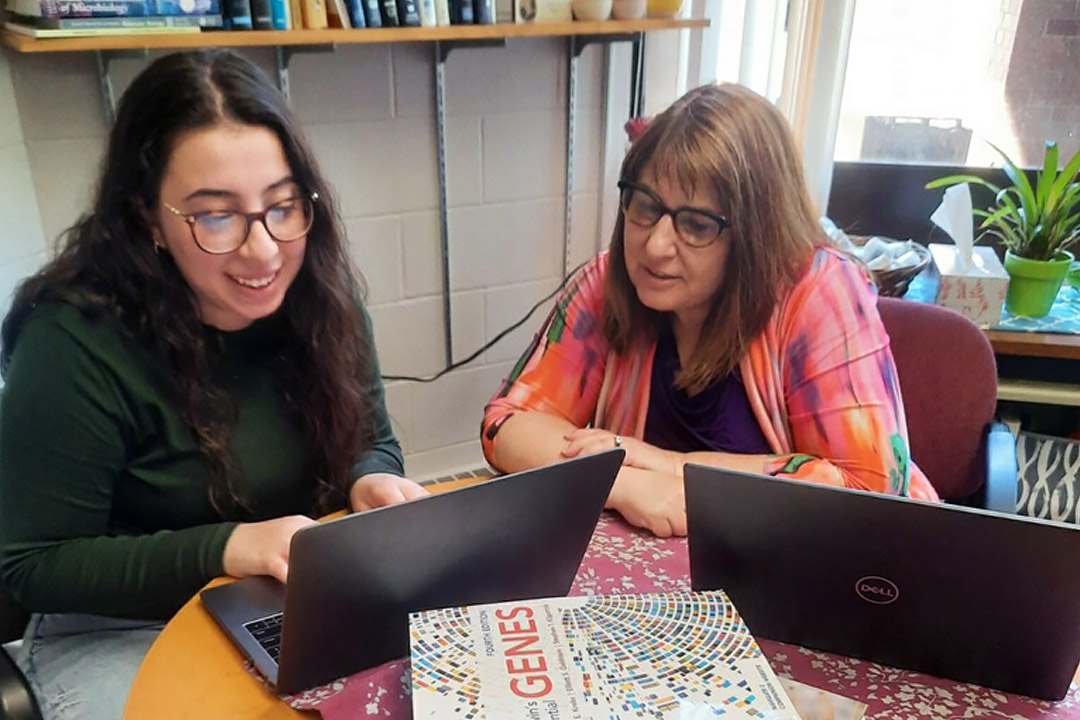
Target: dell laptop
<point x="972" y="595"/>
<point x="353" y="581"/>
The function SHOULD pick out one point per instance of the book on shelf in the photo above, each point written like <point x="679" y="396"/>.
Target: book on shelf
<point x="388" y="9"/>
<point x="337" y="16"/>
<point x="142" y="21"/>
<point x="296" y="15"/>
<point x="35" y="32"/>
<point x="427" y="13"/>
<point x="314" y="14"/>
<point x="662" y="655"/>
<point x="461" y="12"/>
<point x="185" y="7"/>
<point x="372" y="14"/>
<point x="238" y="14"/>
<point x="484" y="10"/>
<point x="261" y="15"/>
<point x="355" y="10"/>
<point x="408" y="13"/>
<point x="442" y="12"/>
<point x="279" y="14"/>
<point x="111" y="8"/>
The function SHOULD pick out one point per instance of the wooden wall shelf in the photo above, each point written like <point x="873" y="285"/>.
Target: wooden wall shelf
<point x="280" y="38"/>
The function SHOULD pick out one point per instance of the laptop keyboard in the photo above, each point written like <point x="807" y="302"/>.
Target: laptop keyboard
<point x="267" y="631"/>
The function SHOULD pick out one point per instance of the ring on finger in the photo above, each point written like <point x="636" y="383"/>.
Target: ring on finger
<point x="618" y="441"/>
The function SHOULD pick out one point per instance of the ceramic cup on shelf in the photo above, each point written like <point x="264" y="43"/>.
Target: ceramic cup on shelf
<point x="663" y="8"/>
<point x="628" y="9"/>
<point x="591" y="10"/>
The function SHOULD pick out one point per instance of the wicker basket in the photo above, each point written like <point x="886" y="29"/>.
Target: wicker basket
<point x="893" y="282"/>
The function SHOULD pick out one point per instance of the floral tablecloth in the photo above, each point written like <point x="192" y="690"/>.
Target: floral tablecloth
<point x="621" y="559"/>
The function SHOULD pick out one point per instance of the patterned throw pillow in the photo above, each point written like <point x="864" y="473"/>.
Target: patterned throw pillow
<point x="1049" y="480"/>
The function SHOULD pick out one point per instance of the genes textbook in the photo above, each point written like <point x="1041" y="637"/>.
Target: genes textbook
<point x="677" y="656"/>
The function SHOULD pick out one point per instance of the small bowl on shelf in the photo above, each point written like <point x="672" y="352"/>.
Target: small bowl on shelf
<point x="663" y="8"/>
<point x="591" y="10"/>
<point x="628" y="9"/>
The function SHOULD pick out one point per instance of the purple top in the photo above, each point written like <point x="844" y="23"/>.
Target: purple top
<point x="719" y="418"/>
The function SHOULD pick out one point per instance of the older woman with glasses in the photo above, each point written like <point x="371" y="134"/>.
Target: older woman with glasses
<point x="720" y="328"/>
<point x="189" y="382"/>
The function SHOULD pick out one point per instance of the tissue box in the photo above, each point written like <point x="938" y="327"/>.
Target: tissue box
<point x="976" y="292"/>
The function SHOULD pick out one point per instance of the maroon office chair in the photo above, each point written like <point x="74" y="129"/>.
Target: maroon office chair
<point x="948" y="378"/>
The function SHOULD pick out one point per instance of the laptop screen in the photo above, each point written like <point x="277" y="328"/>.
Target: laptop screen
<point x="955" y="592"/>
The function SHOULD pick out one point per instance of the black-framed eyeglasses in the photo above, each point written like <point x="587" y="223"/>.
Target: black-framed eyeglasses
<point x="697" y="228"/>
<point x="219" y="232"/>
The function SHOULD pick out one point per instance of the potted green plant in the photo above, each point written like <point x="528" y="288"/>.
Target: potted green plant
<point x="1036" y="224"/>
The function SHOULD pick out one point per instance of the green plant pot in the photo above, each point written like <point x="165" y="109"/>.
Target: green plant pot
<point x="1033" y="284"/>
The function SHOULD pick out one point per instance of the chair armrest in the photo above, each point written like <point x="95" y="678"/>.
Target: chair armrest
<point x="17" y="702"/>
<point x="999" y="491"/>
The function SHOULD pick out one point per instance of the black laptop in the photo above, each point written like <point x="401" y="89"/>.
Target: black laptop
<point x="354" y="581"/>
<point x="971" y="595"/>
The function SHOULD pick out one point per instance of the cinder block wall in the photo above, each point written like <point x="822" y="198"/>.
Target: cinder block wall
<point x="22" y="242"/>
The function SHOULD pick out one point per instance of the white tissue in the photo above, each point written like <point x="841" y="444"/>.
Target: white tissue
<point x="954" y="216"/>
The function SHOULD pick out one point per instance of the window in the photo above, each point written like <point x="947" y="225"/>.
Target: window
<point x="933" y="82"/>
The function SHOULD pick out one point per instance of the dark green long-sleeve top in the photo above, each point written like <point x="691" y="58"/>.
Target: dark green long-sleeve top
<point x="103" y="492"/>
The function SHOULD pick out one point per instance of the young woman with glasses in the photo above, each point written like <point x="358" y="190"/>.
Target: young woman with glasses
<point x="719" y="328"/>
<point x="188" y="383"/>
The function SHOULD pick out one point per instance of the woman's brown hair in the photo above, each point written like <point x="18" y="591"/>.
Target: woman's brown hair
<point x="730" y="142"/>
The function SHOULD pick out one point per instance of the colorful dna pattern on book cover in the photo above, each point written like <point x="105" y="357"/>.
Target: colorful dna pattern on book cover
<point x="677" y="656"/>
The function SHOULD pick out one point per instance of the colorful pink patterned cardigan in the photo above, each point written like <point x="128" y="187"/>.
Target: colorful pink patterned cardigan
<point x="820" y="379"/>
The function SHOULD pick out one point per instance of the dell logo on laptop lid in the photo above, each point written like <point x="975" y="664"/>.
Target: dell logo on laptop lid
<point x="877" y="590"/>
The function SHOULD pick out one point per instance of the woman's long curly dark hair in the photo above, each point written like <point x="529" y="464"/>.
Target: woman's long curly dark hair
<point x="108" y="266"/>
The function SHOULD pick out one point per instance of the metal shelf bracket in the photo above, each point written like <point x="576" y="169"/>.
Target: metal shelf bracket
<point x="105" y="88"/>
<point x="283" y="55"/>
<point x="579" y="42"/>
<point x="443" y="47"/>
<point x="576" y="44"/>
<point x="637" y="62"/>
<point x="442" y="51"/>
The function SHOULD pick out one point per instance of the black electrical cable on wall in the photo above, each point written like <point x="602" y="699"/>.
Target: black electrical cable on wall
<point x="490" y="343"/>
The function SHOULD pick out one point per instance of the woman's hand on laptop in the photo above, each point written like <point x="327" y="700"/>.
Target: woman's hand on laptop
<point x="652" y="500"/>
<point x="378" y="489"/>
<point x="262" y="548"/>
